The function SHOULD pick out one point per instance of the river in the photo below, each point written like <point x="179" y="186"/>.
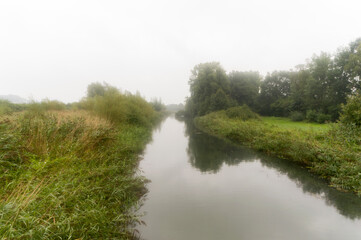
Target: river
<point x="203" y="188"/>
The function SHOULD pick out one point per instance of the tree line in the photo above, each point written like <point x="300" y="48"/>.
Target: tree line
<point x="314" y="91"/>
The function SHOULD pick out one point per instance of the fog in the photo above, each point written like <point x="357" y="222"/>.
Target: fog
<point x="54" y="49"/>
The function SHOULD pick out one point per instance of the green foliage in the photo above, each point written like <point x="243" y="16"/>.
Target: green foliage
<point x="47" y="105"/>
<point x="320" y="86"/>
<point x="209" y="88"/>
<point x="276" y="86"/>
<point x="220" y="100"/>
<point x="157" y="105"/>
<point x="118" y="107"/>
<point x="319" y="117"/>
<point x="7" y="107"/>
<point x="242" y="113"/>
<point x="97" y="89"/>
<point x="323" y="118"/>
<point x="244" y="87"/>
<point x="286" y="123"/>
<point x="311" y="116"/>
<point x="332" y="153"/>
<point x="351" y="112"/>
<point x="69" y="175"/>
<point x="297" y="116"/>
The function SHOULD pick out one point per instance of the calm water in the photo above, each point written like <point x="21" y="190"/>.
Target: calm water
<point x="204" y="188"/>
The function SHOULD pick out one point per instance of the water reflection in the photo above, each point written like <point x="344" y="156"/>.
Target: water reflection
<point x="208" y="154"/>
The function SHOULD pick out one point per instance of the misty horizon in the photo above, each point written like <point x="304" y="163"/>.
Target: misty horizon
<point x="55" y="50"/>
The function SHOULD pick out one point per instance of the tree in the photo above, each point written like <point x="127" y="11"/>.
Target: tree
<point x="353" y="66"/>
<point x="244" y="87"/>
<point x="209" y="88"/>
<point x="96" y="89"/>
<point x="276" y="86"/>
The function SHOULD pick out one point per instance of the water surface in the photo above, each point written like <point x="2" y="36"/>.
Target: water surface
<point x="204" y="188"/>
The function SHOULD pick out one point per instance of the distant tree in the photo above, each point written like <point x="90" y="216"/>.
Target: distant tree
<point x="96" y="89"/>
<point x="209" y="88"/>
<point x="353" y="66"/>
<point x="157" y="104"/>
<point x="276" y="86"/>
<point x="298" y="88"/>
<point x="244" y="87"/>
<point x="319" y="83"/>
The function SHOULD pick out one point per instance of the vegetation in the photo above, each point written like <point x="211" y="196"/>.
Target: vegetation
<point x="241" y="113"/>
<point x="351" y="112"/>
<point x="210" y="90"/>
<point x="325" y="89"/>
<point x="72" y="174"/>
<point x="7" y="107"/>
<point x="315" y="91"/>
<point x="286" y="123"/>
<point x="333" y="153"/>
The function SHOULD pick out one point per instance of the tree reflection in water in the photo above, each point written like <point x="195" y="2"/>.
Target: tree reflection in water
<point x="208" y="154"/>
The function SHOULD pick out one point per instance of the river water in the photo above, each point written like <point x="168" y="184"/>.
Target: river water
<point x="203" y="188"/>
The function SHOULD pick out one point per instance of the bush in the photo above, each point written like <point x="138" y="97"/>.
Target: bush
<point x="351" y="112"/>
<point x="119" y="107"/>
<point x="311" y="116"/>
<point x="7" y="107"/>
<point x="297" y="116"/>
<point x="242" y="112"/>
<point x="323" y="118"/>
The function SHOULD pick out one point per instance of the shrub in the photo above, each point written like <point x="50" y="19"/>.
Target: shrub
<point x="242" y="112"/>
<point x="319" y="117"/>
<point x="7" y="107"/>
<point x="322" y="118"/>
<point x="311" y="116"/>
<point x="351" y="112"/>
<point x="119" y="107"/>
<point x="297" y="116"/>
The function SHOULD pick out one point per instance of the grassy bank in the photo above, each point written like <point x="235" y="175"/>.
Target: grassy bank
<point x="327" y="150"/>
<point x="68" y="175"/>
<point x="73" y="174"/>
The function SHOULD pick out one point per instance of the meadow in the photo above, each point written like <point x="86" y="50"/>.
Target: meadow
<point x="286" y="123"/>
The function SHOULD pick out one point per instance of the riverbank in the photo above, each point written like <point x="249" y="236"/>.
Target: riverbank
<point x="69" y="175"/>
<point x="331" y="153"/>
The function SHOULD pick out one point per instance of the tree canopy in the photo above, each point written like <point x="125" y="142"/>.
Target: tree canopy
<point x="315" y="90"/>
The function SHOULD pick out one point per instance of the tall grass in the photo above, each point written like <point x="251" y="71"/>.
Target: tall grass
<point x="7" y="107"/>
<point x="333" y="154"/>
<point x="73" y="174"/>
<point x="70" y="174"/>
<point x="118" y="107"/>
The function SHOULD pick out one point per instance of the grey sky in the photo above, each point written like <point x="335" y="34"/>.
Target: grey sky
<point x="54" y="49"/>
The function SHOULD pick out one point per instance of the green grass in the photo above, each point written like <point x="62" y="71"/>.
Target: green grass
<point x="286" y="123"/>
<point x="69" y="175"/>
<point x="331" y="151"/>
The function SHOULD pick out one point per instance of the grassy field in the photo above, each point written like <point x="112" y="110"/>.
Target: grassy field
<point x="328" y="150"/>
<point x="286" y="123"/>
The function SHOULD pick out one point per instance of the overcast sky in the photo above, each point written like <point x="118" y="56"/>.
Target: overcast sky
<point x="54" y="49"/>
